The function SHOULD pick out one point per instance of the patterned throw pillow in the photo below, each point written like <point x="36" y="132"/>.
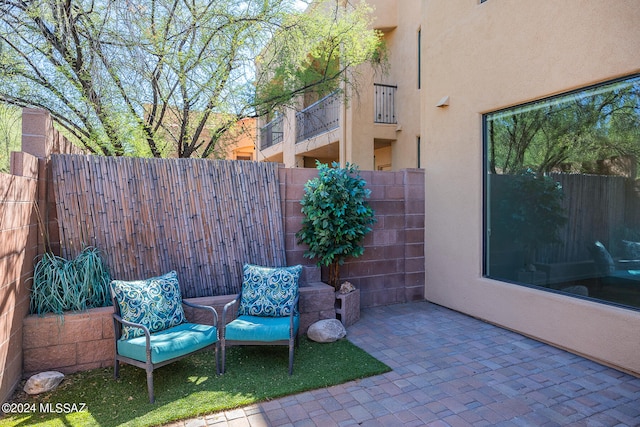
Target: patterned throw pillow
<point x="268" y="291"/>
<point x="156" y="303"/>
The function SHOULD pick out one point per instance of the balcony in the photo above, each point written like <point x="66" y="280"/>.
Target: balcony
<point x="320" y="117"/>
<point x="272" y="133"/>
<point x="384" y="104"/>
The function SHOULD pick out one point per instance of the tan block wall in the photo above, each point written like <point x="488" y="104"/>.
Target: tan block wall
<point x="18" y="248"/>
<point x="76" y="342"/>
<point x="25" y="204"/>
<point x="391" y="271"/>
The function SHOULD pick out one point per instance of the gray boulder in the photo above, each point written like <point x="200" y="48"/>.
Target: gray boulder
<point x="328" y="330"/>
<point x="43" y="382"/>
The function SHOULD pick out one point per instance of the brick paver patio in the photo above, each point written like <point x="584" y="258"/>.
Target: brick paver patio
<point x="453" y="370"/>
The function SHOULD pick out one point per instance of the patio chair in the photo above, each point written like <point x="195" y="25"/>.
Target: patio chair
<point x="267" y="310"/>
<point x="150" y="326"/>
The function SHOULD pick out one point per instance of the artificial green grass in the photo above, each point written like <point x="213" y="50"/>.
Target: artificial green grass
<point x="189" y="387"/>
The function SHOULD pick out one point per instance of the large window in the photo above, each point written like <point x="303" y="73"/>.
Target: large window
<point x="562" y="193"/>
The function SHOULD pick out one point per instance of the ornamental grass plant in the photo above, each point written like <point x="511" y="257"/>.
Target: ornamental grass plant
<point x="61" y="285"/>
<point x="189" y="387"/>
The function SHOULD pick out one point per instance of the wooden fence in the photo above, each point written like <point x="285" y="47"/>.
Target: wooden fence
<point x="202" y="218"/>
<point x="595" y="206"/>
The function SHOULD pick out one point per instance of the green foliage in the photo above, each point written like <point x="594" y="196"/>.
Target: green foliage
<point x="60" y="285"/>
<point x="319" y="50"/>
<point x="190" y="388"/>
<point x="567" y="133"/>
<point x="10" y="133"/>
<point x="336" y="216"/>
<point x="168" y="78"/>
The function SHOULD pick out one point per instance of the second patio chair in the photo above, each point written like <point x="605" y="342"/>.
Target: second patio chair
<point x="267" y="310"/>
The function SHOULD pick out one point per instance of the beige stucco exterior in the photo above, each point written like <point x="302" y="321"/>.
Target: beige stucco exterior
<point x="489" y="56"/>
<point x="239" y="142"/>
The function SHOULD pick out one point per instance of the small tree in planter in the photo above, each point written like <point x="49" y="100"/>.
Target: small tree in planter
<point x="336" y="217"/>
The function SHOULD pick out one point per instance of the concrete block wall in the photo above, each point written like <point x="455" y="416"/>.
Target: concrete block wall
<point x="26" y="203"/>
<point x="79" y="341"/>
<point x="18" y="249"/>
<point x="392" y="269"/>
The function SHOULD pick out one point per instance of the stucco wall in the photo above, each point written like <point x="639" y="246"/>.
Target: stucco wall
<point x="490" y="56"/>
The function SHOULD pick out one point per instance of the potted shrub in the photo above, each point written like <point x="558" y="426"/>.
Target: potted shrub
<point x="336" y="217"/>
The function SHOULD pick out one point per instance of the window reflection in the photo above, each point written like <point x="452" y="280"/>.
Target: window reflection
<point x="562" y="193"/>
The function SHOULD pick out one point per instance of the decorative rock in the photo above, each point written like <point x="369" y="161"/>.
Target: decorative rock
<point x="346" y="287"/>
<point x="328" y="330"/>
<point x="43" y="382"/>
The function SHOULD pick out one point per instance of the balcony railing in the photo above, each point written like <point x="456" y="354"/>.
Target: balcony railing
<point x="385" y="103"/>
<point x="271" y="133"/>
<point x="321" y="116"/>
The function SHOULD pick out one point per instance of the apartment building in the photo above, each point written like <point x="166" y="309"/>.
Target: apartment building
<point x="505" y="102"/>
<point x="239" y="143"/>
<point x="377" y="124"/>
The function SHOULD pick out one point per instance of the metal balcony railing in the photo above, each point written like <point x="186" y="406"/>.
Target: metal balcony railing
<point x="321" y="116"/>
<point x="384" y="103"/>
<point x="271" y="133"/>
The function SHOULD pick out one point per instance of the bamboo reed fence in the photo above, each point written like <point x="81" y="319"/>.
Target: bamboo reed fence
<point x="598" y="208"/>
<point x="202" y="218"/>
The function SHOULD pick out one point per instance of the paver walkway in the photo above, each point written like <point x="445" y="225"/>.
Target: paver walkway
<point x="452" y="370"/>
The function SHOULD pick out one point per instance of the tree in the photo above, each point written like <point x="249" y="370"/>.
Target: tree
<point x="336" y="217"/>
<point x="317" y="53"/>
<point x="591" y="126"/>
<point x="10" y="132"/>
<point x="147" y="78"/>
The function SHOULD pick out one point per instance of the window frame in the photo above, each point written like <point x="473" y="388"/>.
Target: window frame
<point x="486" y="190"/>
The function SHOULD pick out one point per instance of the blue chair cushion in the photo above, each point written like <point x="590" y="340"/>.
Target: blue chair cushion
<point x="254" y="328"/>
<point x="170" y="343"/>
<point x="269" y="291"/>
<point x="155" y="303"/>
